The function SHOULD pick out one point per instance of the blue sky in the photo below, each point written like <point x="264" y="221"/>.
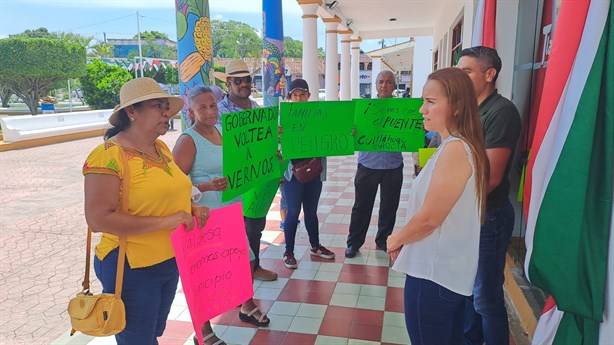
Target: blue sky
<point x="117" y="18"/>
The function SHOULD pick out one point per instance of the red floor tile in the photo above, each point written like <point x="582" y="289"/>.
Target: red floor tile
<point x="329" y="228"/>
<point x="351" y="278"/>
<point x="299" y="339"/>
<point x="395" y="305"/>
<point x="272" y="225"/>
<point x="377" y="270"/>
<point x="340" y="313"/>
<point x="351" y="268"/>
<point x="292" y="295"/>
<point x="347" y="195"/>
<point x="335" y="327"/>
<point x="327" y="201"/>
<point x="178" y="329"/>
<point x="171" y="341"/>
<point x="375" y="279"/>
<point x="322" y="286"/>
<point x="298" y="284"/>
<point x="342" y="209"/>
<point x="318" y="298"/>
<point x="280" y="239"/>
<point x="371" y="317"/>
<point x="366" y="332"/>
<point x="334" y="189"/>
<point x="394" y="292"/>
<point x="266" y="337"/>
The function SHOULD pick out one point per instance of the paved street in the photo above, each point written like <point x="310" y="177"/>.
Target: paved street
<point x="42" y="238"/>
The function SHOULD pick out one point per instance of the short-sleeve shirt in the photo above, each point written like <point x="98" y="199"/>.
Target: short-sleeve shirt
<point x="501" y="123"/>
<point x="226" y="106"/>
<point x="157" y="188"/>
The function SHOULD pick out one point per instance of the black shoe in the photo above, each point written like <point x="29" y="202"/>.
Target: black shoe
<point x="350" y="252"/>
<point x="380" y="247"/>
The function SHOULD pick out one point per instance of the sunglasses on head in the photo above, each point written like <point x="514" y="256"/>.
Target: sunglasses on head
<point x="238" y="80"/>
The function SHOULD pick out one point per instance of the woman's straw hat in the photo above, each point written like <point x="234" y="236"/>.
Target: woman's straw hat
<point x="139" y="90"/>
<point x="235" y="68"/>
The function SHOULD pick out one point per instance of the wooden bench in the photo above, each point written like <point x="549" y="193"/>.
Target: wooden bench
<point x="28" y="127"/>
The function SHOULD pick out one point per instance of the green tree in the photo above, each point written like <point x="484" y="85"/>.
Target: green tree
<point x="152" y="35"/>
<point x="293" y="48"/>
<point x="321" y="53"/>
<point x="235" y="40"/>
<point x="102" y="49"/>
<point x="158" y="50"/>
<point x="5" y="95"/>
<point x="219" y="68"/>
<point x="101" y="84"/>
<point x="31" y="65"/>
<point x="37" y="33"/>
<point x="171" y="74"/>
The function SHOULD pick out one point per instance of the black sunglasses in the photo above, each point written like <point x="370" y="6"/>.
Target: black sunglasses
<point x="238" y="80"/>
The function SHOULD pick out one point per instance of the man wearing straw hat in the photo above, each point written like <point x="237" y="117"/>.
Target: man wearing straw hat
<point x="238" y="80"/>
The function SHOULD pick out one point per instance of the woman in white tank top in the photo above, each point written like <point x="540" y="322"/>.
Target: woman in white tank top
<point x="438" y="248"/>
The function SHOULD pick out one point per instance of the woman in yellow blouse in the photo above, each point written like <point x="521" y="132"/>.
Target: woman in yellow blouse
<point x="159" y="201"/>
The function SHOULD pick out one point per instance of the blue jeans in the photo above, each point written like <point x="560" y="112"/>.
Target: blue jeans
<point x="485" y="313"/>
<point x="307" y="195"/>
<point x="147" y="293"/>
<point x="433" y="314"/>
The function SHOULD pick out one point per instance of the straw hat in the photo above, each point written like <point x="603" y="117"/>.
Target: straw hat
<point x="139" y="90"/>
<point x="235" y="68"/>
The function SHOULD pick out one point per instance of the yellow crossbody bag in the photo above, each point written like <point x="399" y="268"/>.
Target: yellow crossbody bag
<point x="102" y="314"/>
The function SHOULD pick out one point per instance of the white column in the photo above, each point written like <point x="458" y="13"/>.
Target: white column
<point x="375" y="69"/>
<point x="355" y="89"/>
<point x="332" y="59"/>
<point x="310" y="46"/>
<point x="345" y="91"/>
<point x="423" y="64"/>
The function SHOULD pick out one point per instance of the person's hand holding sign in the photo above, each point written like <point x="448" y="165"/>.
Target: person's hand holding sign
<point x="219" y="184"/>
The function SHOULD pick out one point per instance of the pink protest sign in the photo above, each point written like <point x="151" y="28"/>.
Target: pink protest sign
<point x="214" y="265"/>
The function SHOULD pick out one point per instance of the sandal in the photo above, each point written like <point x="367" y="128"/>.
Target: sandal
<point x="250" y="318"/>
<point x="207" y="337"/>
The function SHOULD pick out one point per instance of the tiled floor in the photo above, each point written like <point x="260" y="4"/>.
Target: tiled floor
<point x="340" y="301"/>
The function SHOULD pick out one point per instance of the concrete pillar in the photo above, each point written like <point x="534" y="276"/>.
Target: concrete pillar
<point x="355" y="68"/>
<point x="423" y="64"/>
<point x="376" y="68"/>
<point x="332" y="58"/>
<point x="345" y="91"/>
<point x="310" y="45"/>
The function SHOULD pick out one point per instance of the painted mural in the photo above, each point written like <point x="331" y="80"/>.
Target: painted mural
<point x="273" y="69"/>
<point x="194" y="47"/>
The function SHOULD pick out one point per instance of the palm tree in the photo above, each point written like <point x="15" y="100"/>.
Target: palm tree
<point x="101" y="49"/>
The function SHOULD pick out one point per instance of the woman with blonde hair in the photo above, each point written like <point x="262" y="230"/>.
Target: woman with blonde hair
<point x="438" y="248"/>
<point x="158" y="201"/>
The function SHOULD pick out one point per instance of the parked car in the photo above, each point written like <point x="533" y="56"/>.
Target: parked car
<point x="398" y="93"/>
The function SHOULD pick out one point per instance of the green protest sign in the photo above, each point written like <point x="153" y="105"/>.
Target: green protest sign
<point x="257" y="201"/>
<point x="317" y="129"/>
<point x="388" y="124"/>
<point x="249" y="143"/>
